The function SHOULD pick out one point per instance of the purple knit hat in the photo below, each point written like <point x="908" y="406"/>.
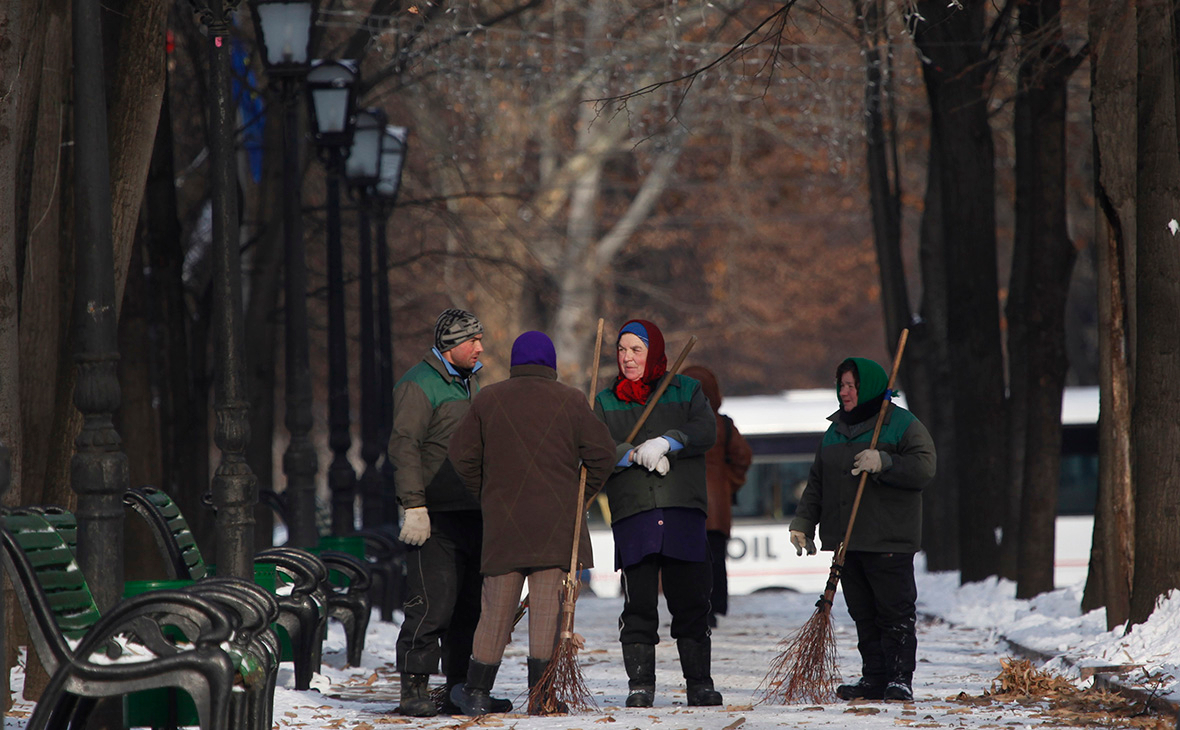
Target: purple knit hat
<point x="534" y="348"/>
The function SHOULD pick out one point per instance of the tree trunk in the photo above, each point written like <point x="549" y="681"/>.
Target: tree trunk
<point x="956" y="79"/>
<point x="1046" y="256"/>
<point x="1155" y="429"/>
<point x="1112" y="38"/>
<point x="929" y="391"/>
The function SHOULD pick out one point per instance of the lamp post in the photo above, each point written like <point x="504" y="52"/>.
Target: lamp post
<point x="393" y="159"/>
<point x="98" y="469"/>
<point x="362" y="168"/>
<point x="283" y="29"/>
<point x="330" y="88"/>
<point x="234" y="486"/>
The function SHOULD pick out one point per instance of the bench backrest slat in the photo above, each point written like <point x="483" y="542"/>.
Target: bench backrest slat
<point x="57" y="572"/>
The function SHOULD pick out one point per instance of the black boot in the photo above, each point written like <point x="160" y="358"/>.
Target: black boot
<point x="695" y="660"/>
<point x="640" y="662"/>
<point x="448" y="706"/>
<point x="900" y="687"/>
<point x="474" y="697"/>
<point x="415" y="700"/>
<point x="865" y="688"/>
<point x="537" y="669"/>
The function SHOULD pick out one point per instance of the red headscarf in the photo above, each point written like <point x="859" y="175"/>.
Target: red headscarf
<point x="637" y="391"/>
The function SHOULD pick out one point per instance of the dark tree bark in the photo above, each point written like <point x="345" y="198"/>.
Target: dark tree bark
<point x="1155" y="428"/>
<point x="956" y="75"/>
<point x="1043" y="261"/>
<point x="1112" y="39"/>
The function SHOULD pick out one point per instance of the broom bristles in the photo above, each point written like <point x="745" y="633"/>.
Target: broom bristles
<point x="562" y="687"/>
<point x="805" y="668"/>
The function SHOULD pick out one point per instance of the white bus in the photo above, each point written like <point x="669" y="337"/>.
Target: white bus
<point x="784" y="431"/>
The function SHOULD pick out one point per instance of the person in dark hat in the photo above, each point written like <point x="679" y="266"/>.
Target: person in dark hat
<point x="442" y="527"/>
<point x="878" y="573"/>
<point x="519" y="450"/>
<point x="658" y="501"/>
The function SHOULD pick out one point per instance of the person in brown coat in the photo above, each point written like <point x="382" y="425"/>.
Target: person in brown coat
<point x="725" y="472"/>
<point x="518" y="450"/>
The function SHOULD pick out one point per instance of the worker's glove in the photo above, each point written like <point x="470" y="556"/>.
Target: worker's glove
<point x="662" y="466"/>
<point x="649" y="453"/>
<point x="416" y="528"/>
<point x="802" y="542"/>
<point x="868" y="460"/>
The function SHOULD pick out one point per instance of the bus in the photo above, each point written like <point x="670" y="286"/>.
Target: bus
<point x="784" y="430"/>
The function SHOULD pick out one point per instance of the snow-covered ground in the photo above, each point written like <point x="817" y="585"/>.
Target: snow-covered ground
<point x="961" y="644"/>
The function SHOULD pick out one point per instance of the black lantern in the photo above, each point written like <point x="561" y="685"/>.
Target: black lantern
<point x="362" y="167"/>
<point x="393" y="159"/>
<point x="283" y="28"/>
<point x="331" y="89"/>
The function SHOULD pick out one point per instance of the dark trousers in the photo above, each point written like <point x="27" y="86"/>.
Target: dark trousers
<point x="881" y="595"/>
<point x="443" y="597"/>
<point x="718" y="543"/>
<point x="687" y="586"/>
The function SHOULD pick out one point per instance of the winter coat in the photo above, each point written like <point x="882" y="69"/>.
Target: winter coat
<point x="682" y="414"/>
<point x="428" y="402"/>
<point x="889" y="518"/>
<point x="727" y="462"/>
<point x="518" y="451"/>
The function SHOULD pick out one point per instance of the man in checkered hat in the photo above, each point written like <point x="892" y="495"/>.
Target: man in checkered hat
<point x="443" y="528"/>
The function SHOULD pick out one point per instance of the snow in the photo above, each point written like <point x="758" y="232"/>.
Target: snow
<point x="963" y="635"/>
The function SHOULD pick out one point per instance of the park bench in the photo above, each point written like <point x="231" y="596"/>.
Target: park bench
<point x="90" y="656"/>
<point x="383" y="552"/>
<point x="254" y="645"/>
<point x="305" y="603"/>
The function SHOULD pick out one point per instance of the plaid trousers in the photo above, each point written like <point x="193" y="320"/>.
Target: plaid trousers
<point x="501" y="596"/>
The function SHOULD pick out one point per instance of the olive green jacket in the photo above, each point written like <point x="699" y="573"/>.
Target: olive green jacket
<point x="428" y="402"/>
<point x="889" y="518"/>
<point x="683" y="414"/>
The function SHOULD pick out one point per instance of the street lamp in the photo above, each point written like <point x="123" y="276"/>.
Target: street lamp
<point x="283" y="29"/>
<point x="234" y="487"/>
<point x="331" y="88"/>
<point x="363" y="170"/>
<point x="393" y="159"/>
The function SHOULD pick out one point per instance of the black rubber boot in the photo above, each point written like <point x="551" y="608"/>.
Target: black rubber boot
<point x="865" y="688"/>
<point x="415" y="701"/>
<point x="900" y="688"/>
<point x="640" y="662"/>
<point x="695" y="660"/>
<point x="474" y="697"/>
<point x="537" y="668"/>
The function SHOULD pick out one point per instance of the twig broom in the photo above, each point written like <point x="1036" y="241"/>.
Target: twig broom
<point x="562" y="687"/>
<point x="805" y="668"/>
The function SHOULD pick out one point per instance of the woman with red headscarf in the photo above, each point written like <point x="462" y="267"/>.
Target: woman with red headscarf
<point x="658" y="502"/>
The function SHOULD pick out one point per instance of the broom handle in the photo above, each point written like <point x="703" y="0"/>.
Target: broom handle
<point x="864" y="475"/>
<point x="582" y="474"/>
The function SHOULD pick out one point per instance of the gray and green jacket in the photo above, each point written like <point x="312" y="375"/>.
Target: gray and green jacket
<point x="889" y="518"/>
<point x="682" y="414"/>
<point x="428" y="402"/>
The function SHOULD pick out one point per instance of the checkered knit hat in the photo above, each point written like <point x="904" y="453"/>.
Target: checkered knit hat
<point x="454" y="327"/>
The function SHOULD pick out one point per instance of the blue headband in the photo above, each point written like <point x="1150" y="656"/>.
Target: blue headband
<point x="636" y="329"/>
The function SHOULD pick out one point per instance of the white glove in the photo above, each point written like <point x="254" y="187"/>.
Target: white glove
<point x="868" y="460"/>
<point x="663" y="467"/>
<point x="648" y="453"/>
<point x="416" y="528"/>
<point x="802" y="542"/>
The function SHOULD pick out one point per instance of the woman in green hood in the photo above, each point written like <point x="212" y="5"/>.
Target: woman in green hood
<point x="878" y="572"/>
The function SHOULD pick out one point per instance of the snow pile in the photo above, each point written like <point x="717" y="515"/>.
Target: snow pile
<point x="1052" y="623"/>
